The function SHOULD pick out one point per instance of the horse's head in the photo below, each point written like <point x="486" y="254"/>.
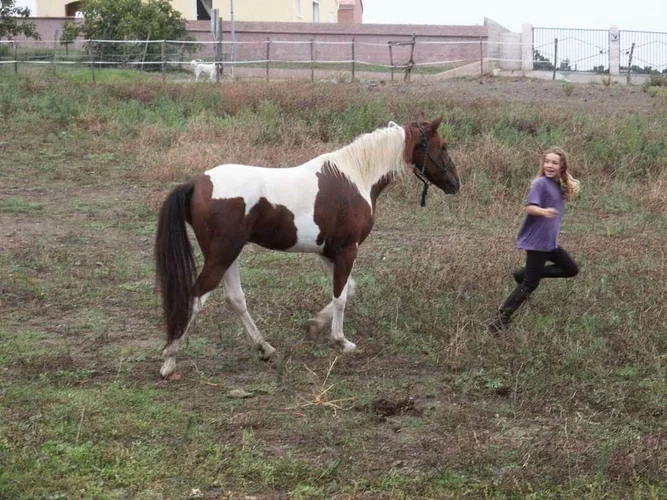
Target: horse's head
<point x="427" y="152"/>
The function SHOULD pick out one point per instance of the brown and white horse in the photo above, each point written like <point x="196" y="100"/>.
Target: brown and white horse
<point x="325" y="206"/>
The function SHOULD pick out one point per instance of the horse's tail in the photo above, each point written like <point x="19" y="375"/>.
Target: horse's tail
<point x="174" y="260"/>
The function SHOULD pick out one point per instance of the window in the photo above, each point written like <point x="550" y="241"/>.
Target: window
<point x="316" y="11"/>
<point x="332" y="16"/>
<point x="298" y="8"/>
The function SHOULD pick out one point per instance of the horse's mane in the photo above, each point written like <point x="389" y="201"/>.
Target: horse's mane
<point x="371" y="156"/>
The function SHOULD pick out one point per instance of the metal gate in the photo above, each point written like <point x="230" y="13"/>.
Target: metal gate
<point x="571" y="49"/>
<point x="643" y="52"/>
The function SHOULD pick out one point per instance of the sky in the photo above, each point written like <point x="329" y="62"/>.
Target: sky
<point x="639" y="15"/>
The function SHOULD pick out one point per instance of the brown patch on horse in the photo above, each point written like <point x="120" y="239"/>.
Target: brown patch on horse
<point x="222" y="225"/>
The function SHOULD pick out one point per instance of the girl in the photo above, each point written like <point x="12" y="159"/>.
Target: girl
<point x="539" y="233"/>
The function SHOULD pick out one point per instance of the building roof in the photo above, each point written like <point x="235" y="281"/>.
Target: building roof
<point x="350" y="4"/>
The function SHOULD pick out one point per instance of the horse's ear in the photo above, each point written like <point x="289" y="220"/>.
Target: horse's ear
<point x="435" y="124"/>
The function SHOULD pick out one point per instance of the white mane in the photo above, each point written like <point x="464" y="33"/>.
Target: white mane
<point x="371" y="156"/>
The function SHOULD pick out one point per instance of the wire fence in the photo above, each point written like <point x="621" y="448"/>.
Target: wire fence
<point x="553" y="49"/>
<point x="396" y="58"/>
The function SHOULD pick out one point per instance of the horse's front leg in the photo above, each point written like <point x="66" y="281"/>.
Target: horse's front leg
<point x="323" y="318"/>
<point x="342" y="264"/>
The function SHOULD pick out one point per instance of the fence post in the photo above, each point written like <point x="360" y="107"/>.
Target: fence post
<point x="312" y="60"/>
<point x="411" y="62"/>
<point x="91" y="55"/>
<point x="555" y="58"/>
<point x="391" y="60"/>
<point x="164" y="64"/>
<point x="268" y="56"/>
<point x="353" y="59"/>
<point x="143" y="59"/>
<point x="632" y="49"/>
<point x="218" y="50"/>
<point x="481" y="57"/>
<point x="16" y="56"/>
<point x="55" y="46"/>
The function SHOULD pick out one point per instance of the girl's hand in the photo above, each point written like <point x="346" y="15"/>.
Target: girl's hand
<point x="549" y="213"/>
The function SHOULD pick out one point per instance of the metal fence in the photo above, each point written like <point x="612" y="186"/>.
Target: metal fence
<point x="569" y="49"/>
<point x="643" y="52"/>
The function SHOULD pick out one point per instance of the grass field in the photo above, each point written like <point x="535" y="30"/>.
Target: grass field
<point x="572" y="403"/>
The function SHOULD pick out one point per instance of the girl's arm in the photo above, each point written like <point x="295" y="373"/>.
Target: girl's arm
<point x="549" y="213"/>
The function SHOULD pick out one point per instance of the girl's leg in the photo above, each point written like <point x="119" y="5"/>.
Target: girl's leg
<point x="531" y="279"/>
<point x="563" y="267"/>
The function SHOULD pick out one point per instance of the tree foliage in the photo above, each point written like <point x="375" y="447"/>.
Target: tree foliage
<point x="132" y="20"/>
<point x="13" y="23"/>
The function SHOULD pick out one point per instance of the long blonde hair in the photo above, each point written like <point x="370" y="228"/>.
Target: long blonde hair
<point x="568" y="184"/>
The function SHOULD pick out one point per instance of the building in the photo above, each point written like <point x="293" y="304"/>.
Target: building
<point x="350" y="11"/>
<point x="295" y="11"/>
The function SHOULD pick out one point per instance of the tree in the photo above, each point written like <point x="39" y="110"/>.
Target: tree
<point x="70" y="33"/>
<point x="132" y="20"/>
<point x="541" y="62"/>
<point x="11" y="24"/>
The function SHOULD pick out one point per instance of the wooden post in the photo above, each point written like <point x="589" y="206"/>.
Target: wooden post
<point x="143" y="59"/>
<point x="312" y="60"/>
<point x="218" y="52"/>
<point x="632" y="49"/>
<point x="55" y="46"/>
<point x="391" y="61"/>
<point x="91" y="55"/>
<point x="481" y="57"/>
<point x="164" y="62"/>
<point x="353" y="59"/>
<point x="555" y="58"/>
<point x="411" y="62"/>
<point x="268" y="56"/>
<point x="16" y="56"/>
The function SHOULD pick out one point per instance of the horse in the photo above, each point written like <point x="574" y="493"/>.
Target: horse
<point x="200" y="67"/>
<point x="325" y="206"/>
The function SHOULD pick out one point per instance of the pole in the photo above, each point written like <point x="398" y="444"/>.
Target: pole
<point x="143" y="59"/>
<point x="632" y="49"/>
<point x="233" y="28"/>
<point x="391" y="61"/>
<point x="555" y="58"/>
<point x="268" y="56"/>
<point x="164" y="65"/>
<point x="91" y="54"/>
<point x="218" y="50"/>
<point x="353" y="59"/>
<point x="16" y="56"/>
<point x="55" y="46"/>
<point x="481" y="57"/>
<point x="312" y="60"/>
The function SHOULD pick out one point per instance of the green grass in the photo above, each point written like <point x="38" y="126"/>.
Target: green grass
<point x="570" y="404"/>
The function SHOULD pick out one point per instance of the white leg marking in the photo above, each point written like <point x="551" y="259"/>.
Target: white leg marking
<point x="236" y="299"/>
<point x="170" y="351"/>
<point x="337" y="336"/>
<point x="324" y="317"/>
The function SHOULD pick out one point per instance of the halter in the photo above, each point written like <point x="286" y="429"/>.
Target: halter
<point x="423" y="142"/>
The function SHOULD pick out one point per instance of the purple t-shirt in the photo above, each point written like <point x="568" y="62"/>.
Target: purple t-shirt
<point x="541" y="233"/>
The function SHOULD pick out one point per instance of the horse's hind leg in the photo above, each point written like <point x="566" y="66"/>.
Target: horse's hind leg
<point x="324" y="317"/>
<point x="208" y="279"/>
<point x="236" y="299"/>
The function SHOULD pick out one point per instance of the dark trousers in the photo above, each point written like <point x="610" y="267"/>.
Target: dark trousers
<point x="563" y="266"/>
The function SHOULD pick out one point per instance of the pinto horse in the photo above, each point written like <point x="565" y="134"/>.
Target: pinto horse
<point x="325" y="206"/>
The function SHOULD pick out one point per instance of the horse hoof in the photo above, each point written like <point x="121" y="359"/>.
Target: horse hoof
<point x="347" y="346"/>
<point x="314" y="328"/>
<point x="266" y="353"/>
<point x="168" y="368"/>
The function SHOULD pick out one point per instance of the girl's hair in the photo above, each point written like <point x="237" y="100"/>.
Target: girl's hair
<point x="568" y="184"/>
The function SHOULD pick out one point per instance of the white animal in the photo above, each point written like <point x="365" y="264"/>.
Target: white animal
<point x="199" y="67"/>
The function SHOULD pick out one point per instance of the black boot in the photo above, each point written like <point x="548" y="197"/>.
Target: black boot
<point x="519" y="274"/>
<point x="516" y="298"/>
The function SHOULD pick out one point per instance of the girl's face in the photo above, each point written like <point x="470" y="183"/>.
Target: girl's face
<point x="551" y="166"/>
